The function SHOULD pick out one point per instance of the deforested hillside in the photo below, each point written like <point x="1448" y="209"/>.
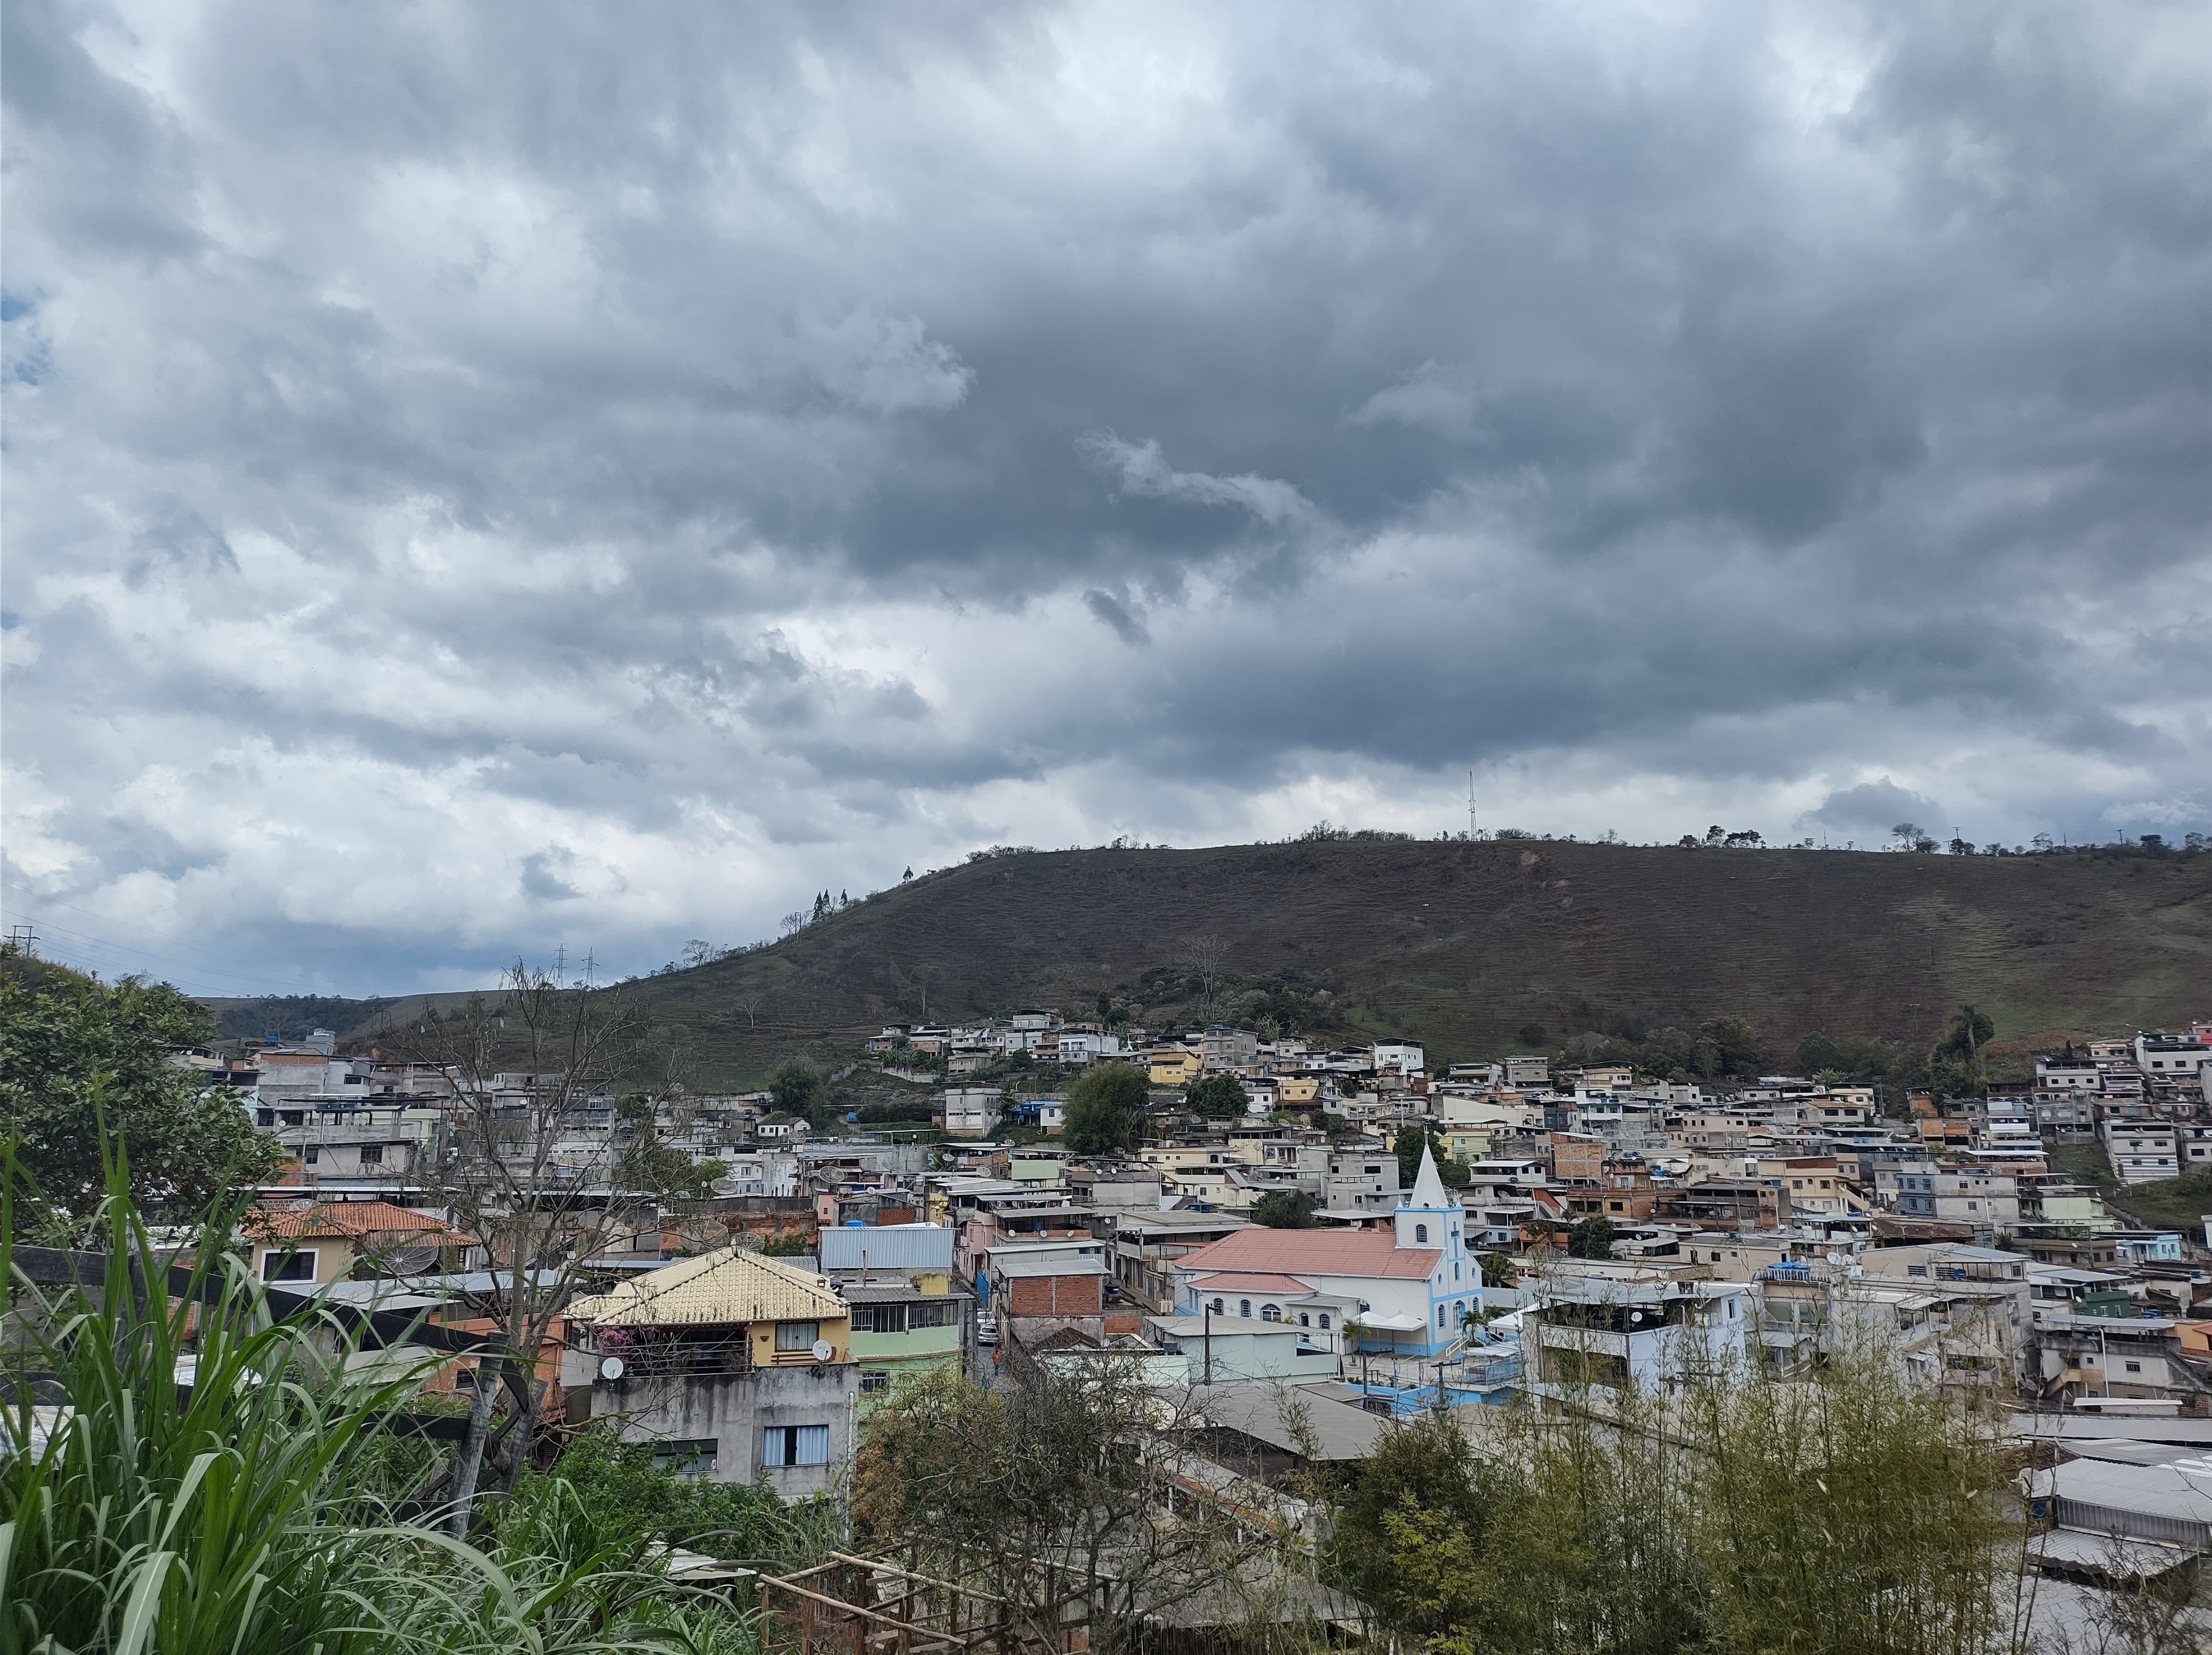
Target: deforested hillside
<point x="1463" y="945"/>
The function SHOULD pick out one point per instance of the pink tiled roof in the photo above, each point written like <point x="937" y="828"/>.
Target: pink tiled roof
<point x="1313" y="1252"/>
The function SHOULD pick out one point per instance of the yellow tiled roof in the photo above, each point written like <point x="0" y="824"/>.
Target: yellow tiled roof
<point x="716" y="1289"/>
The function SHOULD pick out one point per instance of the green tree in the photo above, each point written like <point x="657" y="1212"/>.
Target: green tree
<point x="1216" y="1097"/>
<point x="1497" y="1270"/>
<point x="1590" y="1237"/>
<point x="1412" y="1138"/>
<point x="1729" y="1046"/>
<point x="1105" y="1108"/>
<point x="799" y="1088"/>
<point x="186" y="1140"/>
<point x="1956" y="1067"/>
<point x="1283" y="1209"/>
<point x="1414" y="1541"/>
<point x="628" y="1494"/>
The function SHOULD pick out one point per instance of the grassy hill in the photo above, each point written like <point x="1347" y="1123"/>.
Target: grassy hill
<point x="1464" y="945"/>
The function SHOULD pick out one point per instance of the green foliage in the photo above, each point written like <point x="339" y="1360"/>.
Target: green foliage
<point x="629" y="1500"/>
<point x="1956" y="1067"/>
<point x="253" y="1510"/>
<point x="1216" y="1097"/>
<point x="1728" y="1048"/>
<point x="1417" y="1538"/>
<point x="1105" y="1108"/>
<point x="1411" y="1138"/>
<point x="1590" y="1237"/>
<point x="1283" y="1209"/>
<point x="1534" y="1035"/>
<point x="792" y="1243"/>
<point x="649" y="1165"/>
<point x="1497" y="1270"/>
<point x="1846" y="1512"/>
<point x="71" y="1047"/>
<point x="799" y="1088"/>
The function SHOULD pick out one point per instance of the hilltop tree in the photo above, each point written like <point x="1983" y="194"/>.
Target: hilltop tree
<point x="1956" y="1068"/>
<point x="1106" y="1108"/>
<point x="1216" y="1097"/>
<point x="1729" y="1047"/>
<point x="73" y="1049"/>
<point x="798" y="1088"/>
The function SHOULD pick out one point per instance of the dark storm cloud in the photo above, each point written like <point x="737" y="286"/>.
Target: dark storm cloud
<point x="464" y="463"/>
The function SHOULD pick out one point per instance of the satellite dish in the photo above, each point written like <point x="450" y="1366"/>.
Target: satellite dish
<point x="824" y="1350"/>
<point x="611" y="1368"/>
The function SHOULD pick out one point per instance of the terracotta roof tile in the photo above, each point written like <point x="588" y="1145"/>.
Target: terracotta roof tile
<point x="1313" y="1252"/>
<point x="339" y="1218"/>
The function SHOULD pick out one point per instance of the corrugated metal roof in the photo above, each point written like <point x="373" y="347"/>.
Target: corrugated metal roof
<point x="726" y="1288"/>
<point x="887" y="1247"/>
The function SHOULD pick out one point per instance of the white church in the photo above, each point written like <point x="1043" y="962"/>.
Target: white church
<point x="1406" y="1290"/>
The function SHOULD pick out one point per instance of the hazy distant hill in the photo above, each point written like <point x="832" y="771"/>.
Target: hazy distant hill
<point x="1462" y="944"/>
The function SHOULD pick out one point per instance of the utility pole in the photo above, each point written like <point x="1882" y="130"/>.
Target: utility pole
<point x="24" y="940"/>
<point x="1470" y="805"/>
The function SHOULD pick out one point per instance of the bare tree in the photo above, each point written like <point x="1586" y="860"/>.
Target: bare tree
<point x="1203" y="955"/>
<point x="547" y="1161"/>
<point x="752" y="1005"/>
<point x="1066" y="1497"/>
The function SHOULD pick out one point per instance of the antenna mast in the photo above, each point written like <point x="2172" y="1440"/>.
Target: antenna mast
<point x="1470" y="805"/>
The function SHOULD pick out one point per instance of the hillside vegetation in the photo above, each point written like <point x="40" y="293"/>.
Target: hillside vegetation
<point x="1464" y="946"/>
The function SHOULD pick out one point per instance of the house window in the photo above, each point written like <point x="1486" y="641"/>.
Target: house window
<point x="298" y="1266"/>
<point x="310" y="1155"/>
<point x="2135" y="1367"/>
<point x="874" y="1378"/>
<point x="1421" y="1233"/>
<point x="1216" y="1306"/>
<point x="795" y="1444"/>
<point x="693" y="1458"/>
<point x="1244" y="1307"/>
<point x="1324" y="1321"/>
<point x="797" y="1336"/>
<point x="372" y="1154"/>
<point x="1302" y="1321"/>
<point x="1271" y="1312"/>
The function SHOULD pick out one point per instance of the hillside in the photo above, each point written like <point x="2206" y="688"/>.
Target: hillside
<point x="1462" y="944"/>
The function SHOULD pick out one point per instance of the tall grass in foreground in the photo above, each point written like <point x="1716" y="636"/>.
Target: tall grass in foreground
<point x="243" y="1513"/>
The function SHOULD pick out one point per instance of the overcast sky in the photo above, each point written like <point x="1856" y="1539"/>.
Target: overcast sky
<point x="487" y="479"/>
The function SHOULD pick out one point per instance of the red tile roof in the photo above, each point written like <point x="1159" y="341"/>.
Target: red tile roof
<point x="1313" y="1252"/>
<point x="340" y="1218"/>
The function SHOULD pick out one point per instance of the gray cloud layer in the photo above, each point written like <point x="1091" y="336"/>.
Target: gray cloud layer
<point x="485" y="477"/>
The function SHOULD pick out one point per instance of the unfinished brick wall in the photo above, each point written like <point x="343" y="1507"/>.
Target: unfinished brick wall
<point x="1055" y="1295"/>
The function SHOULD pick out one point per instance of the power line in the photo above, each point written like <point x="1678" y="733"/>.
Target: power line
<point x="106" y="953"/>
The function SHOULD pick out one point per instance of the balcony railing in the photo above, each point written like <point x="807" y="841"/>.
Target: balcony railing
<point x="666" y="1358"/>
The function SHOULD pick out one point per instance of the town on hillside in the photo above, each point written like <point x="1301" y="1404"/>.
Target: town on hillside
<point x="1312" y="1243"/>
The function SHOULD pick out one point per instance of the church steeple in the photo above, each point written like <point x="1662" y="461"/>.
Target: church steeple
<point x="1428" y="1216"/>
<point x="1429" y="1184"/>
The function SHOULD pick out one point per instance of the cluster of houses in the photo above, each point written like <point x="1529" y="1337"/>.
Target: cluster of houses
<point x="1780" y="1224"/>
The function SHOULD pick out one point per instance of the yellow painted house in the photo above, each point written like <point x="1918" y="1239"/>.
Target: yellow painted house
<point x="1173" y="1066"/>
<point x="1296" y="1089"/>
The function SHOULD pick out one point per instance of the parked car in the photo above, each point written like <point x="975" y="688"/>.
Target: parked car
<point x="987" y="1330"/>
